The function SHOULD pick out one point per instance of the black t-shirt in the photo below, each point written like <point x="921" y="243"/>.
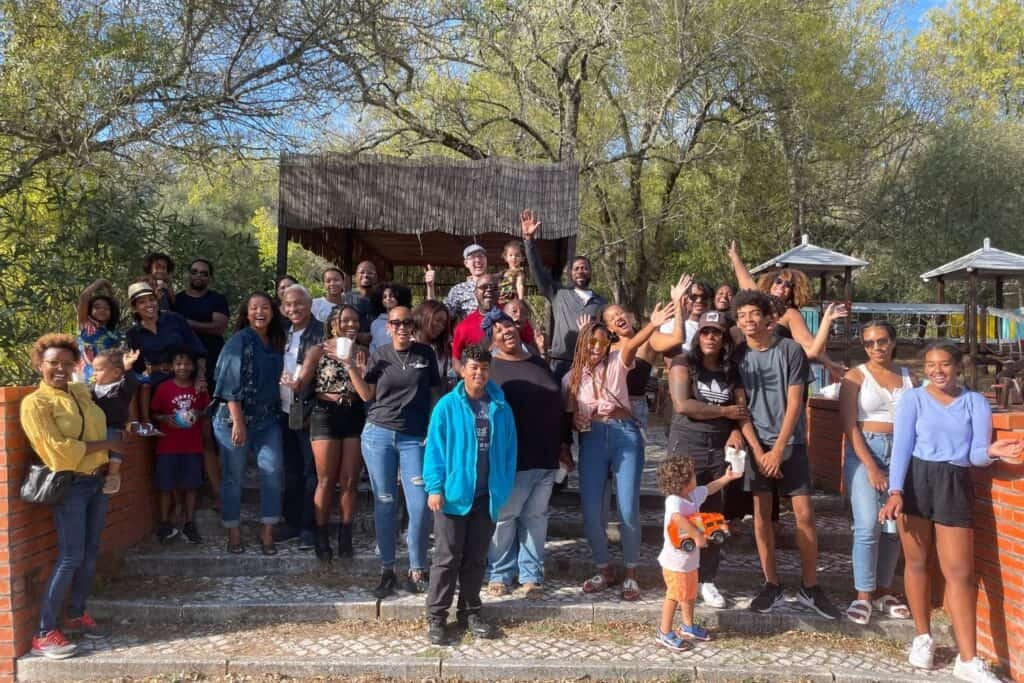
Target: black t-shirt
<point x="714" y="387"/>
<point x="116" y="401"/>
<point x="482" y="425"/>
<point x="363" y="305"/>
<point x="404" y="380"/>
<point x="201" y="309"/>
<point x="535" y="397"/>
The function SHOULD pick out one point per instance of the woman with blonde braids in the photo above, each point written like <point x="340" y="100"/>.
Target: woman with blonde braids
<point x="610" y="441"/>
<point x="793" y="287"/>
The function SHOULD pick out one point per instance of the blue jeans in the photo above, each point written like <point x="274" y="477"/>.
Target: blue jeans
<point x="522" y="529"/>
<point x="262" y="437"/>
<point x="386" y="452"/>
<point x="874" y="553"/>
<point x="79" y="520"/>
<point x="614" y="446"/>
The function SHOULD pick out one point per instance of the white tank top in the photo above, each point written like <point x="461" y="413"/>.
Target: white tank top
<point x="875" y="403"/>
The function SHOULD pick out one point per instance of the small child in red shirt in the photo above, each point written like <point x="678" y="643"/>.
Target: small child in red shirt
<point x="176" y="407"/>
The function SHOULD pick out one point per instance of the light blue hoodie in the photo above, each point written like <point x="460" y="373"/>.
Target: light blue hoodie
<point x="449" y="463"/>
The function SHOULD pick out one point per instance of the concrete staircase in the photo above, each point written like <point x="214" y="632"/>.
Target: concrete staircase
<point x="180" y="610"/>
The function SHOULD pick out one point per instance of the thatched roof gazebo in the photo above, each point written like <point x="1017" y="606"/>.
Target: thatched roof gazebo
<point x="986" y="263"/>
<point x="407" y="212"/>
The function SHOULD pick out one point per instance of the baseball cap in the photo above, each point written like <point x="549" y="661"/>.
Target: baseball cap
<point x="715" y="319"/>
<point x="472" y="249"/>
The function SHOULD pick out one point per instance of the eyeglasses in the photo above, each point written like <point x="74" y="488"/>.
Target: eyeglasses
<point x="877" y="343"/>
<point x="406" y="322"/>
<point x="199" y="273"/>
<point x="784" y="282"/>
<point x="59" y="363"/>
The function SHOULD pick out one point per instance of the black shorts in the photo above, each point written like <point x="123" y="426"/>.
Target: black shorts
<point x="331" y="421"/>
<point x="796" y="475"/>
<point x="940" y="492"/>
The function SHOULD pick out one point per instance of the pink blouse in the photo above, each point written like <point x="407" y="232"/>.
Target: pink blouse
<point x="603" y="390"/>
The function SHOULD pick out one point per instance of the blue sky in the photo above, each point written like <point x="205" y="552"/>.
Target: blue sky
<point x="914" y="11"/>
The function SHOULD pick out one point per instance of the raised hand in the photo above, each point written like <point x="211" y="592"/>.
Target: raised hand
<point x="663" y="313"/>
<point x="681" y="288"/>
<point x="529" y="224"/>
<point x="583" y="320"/>
<point x="734" y="250"/>
<point x="834" y="311"/>
<point x="428" y="275"/>
<point x="130" y="357"/>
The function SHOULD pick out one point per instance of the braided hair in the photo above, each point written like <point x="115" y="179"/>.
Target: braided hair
<point x="581" y="357"/>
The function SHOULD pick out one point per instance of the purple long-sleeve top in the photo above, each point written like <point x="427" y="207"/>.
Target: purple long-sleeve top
<point x="959" y="433"/>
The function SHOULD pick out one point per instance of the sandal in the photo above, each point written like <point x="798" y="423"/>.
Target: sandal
<point x="532" y="591"/>
<point x="859" y="612"/>
<point x="497" y="589"/>
<point x="268" y="548"/>
<point x="892" y="607"/>
<point x="236" y="548"/>
<point x="630" y="590"/>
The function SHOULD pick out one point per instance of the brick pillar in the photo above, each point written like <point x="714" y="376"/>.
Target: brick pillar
<point x="999" y="553"/>
<point x="825" y="444"/>
<point x="28" y="542"/>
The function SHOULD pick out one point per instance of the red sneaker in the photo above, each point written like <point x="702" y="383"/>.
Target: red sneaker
<point x="84" y="626"/>
<point x="52" y="645"/>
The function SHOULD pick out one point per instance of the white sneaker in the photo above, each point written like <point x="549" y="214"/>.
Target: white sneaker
<point x="975" y="670"/>
<point x="711" y="597"/>
<point x="922" y="651"/>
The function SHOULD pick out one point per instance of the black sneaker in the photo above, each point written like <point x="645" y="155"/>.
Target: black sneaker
<point x="816" y="599"/>
<point x="285" y="532"/>
<point x="387" y="585"/>
<point x="307" y="541"/>
<point x="479" y="626"/>
<point x="165" y="532"/>
<point x="436" y="632"/>
<point x="416" y="582"/>
<point x="191" y="533"/>
<point x="771" y="594"/>
<point x="345" y="548"/>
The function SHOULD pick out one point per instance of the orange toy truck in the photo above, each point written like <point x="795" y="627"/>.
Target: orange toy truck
<point x="714" y="526"/>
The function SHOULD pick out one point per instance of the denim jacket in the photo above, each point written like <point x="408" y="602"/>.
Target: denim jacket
<point x="249" y="372"/>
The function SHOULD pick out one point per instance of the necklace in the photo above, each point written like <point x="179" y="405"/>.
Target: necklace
<point x="403" y="362"/>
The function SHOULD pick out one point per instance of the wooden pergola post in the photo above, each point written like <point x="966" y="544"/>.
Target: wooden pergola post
<point x="999" y="304"/>
<point x="972" y="329"/>
<point x="848" y="322"/>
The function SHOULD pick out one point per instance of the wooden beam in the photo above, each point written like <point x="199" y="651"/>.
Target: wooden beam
<point x="847" y="321"/>
<point x="940" y="292"/>
<point x="282" y="249"/>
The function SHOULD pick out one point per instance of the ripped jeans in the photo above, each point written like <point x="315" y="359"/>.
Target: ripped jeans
<point x="386" y="452"/>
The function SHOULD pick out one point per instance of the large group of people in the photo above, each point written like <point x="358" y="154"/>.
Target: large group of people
<point x="465" y="412"/>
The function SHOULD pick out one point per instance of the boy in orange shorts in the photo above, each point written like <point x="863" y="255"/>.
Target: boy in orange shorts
<point x="678" y="482"/>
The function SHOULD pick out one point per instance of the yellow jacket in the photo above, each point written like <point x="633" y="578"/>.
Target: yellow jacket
<point x="52" y="422"/>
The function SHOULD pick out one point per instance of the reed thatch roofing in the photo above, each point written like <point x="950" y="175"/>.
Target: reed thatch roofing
<point x="424" y="195"/>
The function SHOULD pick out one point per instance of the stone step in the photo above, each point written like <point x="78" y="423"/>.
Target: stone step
<point x="323" y="596"/>
<point x="566" y="521"/>
<point x="565" y="558"/>
<point x="395" y="650"/>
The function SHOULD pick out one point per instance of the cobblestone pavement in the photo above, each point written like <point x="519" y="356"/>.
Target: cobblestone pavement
<point x="529" y="652"/>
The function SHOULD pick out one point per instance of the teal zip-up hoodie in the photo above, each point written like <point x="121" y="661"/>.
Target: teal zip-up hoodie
<point x="449" y="463"/>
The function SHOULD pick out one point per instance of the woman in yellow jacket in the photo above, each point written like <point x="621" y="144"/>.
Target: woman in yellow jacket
<point x="68" y="432"/>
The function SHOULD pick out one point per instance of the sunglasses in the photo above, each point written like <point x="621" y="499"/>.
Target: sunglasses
<point x="711" y="332"/>
<point x="877" y="343"/>
<point x="405" y="322"/>
<point x="698" y="297"/>
<point x="487" y="288"/>
<point x="199" y="273"/>
<point x="784" y="282"/>
<point x="598" y="344"/>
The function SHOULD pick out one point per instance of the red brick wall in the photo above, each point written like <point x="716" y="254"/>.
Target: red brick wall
<point x="28" y="543"/>
<point x="999" y="553"/>
<point x="825" y="444"/>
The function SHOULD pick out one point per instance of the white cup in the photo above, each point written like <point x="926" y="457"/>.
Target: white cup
<point x="736" y="458"/>
<point x="561" y="475"/>
<point x="343" y="347"/>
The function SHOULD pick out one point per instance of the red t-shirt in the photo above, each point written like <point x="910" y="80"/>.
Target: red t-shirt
<point x="170" y="399"/>
<point x="468" y="332"/>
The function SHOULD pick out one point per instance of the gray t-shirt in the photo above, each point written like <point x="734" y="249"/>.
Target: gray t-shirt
<point x="481" y="409"/>
<point x="767" y="375"/>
